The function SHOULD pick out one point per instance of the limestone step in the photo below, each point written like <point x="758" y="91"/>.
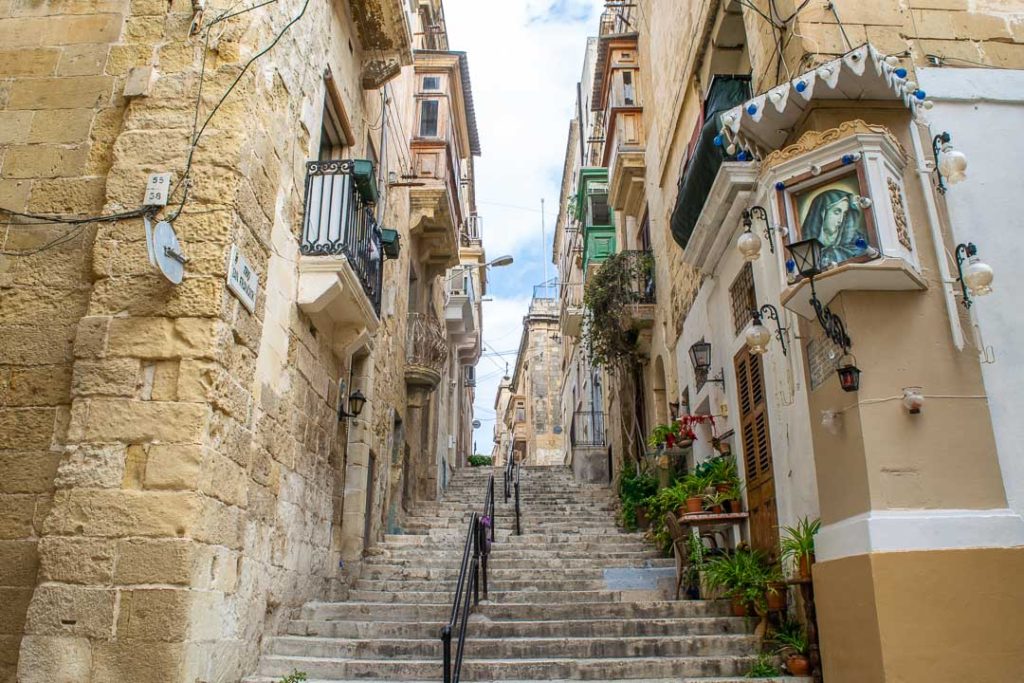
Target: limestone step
<point x="516" y="648"/>
<point x="480" y="628"/>
<point x="537" y="611"/>
<point x="631" y="668"/>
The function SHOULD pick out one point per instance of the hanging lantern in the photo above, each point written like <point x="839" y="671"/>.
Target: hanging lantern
<point x="806" y="256"/>
<point x="849" y="374"/>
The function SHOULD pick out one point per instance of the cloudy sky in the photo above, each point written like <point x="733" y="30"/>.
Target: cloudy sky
<point x="525" y="58"/>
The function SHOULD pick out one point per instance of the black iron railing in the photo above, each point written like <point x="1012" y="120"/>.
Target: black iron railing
<point x="512" y="485"/>
<point x="587" y="428"/>
<point x="472" y="579"/>
<point x="641" y="276"/>
<point x="338" y="222"/>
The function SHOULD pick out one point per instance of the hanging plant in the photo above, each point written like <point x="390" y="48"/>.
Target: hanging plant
<point x="609" y="335"/>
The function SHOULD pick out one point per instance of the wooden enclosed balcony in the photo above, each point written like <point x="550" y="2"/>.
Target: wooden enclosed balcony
<point x="625" y="159"/>
<point x="435" y="203"/>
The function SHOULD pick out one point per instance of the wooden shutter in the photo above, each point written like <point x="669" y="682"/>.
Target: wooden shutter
<point x="755" y="438"/>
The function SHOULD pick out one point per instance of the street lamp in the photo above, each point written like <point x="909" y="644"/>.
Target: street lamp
<point x="356" y="401"/>
<point x="976" y="277"/>
<point x="759" y="336"/>
<point x="807" y="259"/>
<point x="745" y="240"/>
<point x="950" y="163"/>
<point x="700" y="358"/>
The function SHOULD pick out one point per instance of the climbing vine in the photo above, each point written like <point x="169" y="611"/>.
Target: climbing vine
<point x="622" y="281"/>
<point x="610" y="336"/>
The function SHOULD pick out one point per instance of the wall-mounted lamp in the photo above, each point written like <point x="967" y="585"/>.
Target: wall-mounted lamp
<point x="807" y="260"/>
<point x="673" y="407"/>
<point x="748" y="221"/>
<point x="950" y="163"/>
<point x="700" y="358"/>
<point x="355" y="403"/>
<point x="976" y="278"/>
<point x="849" y="373"/>
<point x="759" y="336"/>
<point x="913" y="399"/>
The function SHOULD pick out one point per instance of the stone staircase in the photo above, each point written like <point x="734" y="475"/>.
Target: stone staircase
<point x="572" y="598"/>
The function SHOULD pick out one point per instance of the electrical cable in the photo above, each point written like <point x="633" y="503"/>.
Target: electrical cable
<point x="223" y="98"/>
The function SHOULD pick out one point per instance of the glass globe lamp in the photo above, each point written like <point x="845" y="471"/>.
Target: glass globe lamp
<point x="749" y="246"/>
<point x="758" y="337"/>
<point x="953" y="164"/>
<point x="978" y="276"/>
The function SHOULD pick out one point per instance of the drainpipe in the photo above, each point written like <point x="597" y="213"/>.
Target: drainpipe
<point x="924" y="176"/>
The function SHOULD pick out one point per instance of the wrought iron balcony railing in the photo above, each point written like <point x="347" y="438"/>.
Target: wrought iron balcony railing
<point x="339" y="220"/>
<point x="639" y="276"/>
<point x="587" y="428"/>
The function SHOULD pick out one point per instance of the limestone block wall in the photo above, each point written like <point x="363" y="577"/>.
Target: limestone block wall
<point x="58" y="119"/>
<point x="173" y="476"/>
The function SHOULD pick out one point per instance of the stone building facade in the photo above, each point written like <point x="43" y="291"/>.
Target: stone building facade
<point x="175" y="478"/>
<point x="730" y="106"/>
<point x="528" y="404"/>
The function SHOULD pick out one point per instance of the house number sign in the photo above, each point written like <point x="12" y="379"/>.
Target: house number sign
<point x="243" y="281"/>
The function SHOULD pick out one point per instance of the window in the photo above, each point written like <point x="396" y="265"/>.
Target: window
<point x="743" y="298"/>
<point x="431" y="83"/>
<point x="598" y="212"/>
<point x="628" y="93"/>
<point x="333" y="139"/>
<point x="428" y="118"/>
<point x="520" y="412"/>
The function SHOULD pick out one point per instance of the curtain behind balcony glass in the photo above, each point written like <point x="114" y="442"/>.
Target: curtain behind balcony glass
<point x="726" y="92"/>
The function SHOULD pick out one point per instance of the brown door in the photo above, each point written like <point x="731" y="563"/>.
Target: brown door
<point x="757" y="453"/>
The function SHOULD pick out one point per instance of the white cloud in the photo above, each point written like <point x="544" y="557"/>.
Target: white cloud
<point x="524" y="59"/>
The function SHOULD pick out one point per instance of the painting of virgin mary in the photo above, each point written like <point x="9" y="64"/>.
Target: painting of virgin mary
<point x="833" y="215"/>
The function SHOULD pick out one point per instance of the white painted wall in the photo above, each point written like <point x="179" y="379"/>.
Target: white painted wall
<point x="983" y="110"/>
<point x="711" y="319"/>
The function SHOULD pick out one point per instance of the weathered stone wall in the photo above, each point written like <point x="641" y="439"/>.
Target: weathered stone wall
<point x="173" y="476"/>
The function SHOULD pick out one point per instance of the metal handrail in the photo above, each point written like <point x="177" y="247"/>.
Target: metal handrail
<point x="472" y="572"/>
<point x="519" y="531"/>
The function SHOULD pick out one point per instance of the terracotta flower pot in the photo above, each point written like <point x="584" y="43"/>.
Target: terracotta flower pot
<point x="739" y="608"/>
<point x="805" y="566"/>
<point x="776" y="596"/>
<point x="723" y="488"/>
<point x="798" y="665"/>
<point x="642" y="518"/>
<point x="716" y="509"/>
<point x="695" y="504"/>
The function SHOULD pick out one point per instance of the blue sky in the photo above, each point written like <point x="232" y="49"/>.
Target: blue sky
<point x="525" y="58"/>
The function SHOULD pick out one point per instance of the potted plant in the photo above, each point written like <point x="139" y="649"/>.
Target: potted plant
<point x="635" y="488"/>
<point x="731" y="500"/>
<point x="764" y="667"/>
<point x="776" y="593"/>
<point x="693" y="487"/>
<point x="798" y="545"/>
<point x="721" y="471"/>
<point x="714" y="501"/>
<point x="743" y="576"/>
<point x="794" y="648"/>
<point x="667" y="436"/>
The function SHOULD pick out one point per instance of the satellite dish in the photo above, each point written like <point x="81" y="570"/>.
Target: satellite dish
<point x="476" y="424"/>
<point x="167" y="252"/>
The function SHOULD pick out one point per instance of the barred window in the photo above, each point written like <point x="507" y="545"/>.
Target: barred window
<point x="743" y="298"/>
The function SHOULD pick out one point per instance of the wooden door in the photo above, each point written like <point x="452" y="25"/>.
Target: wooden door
<point x="756" y="442"/>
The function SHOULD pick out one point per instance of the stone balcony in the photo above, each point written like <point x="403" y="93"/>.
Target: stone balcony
<point x="386" y="39"/>
<point x="341" y="262"/>
<point x="426" y="351"/>
<point x="571" y="316"/>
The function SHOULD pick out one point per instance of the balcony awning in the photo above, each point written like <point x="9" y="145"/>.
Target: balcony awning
<point x="764" y="123"/>
<point x="707" y="157"/>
